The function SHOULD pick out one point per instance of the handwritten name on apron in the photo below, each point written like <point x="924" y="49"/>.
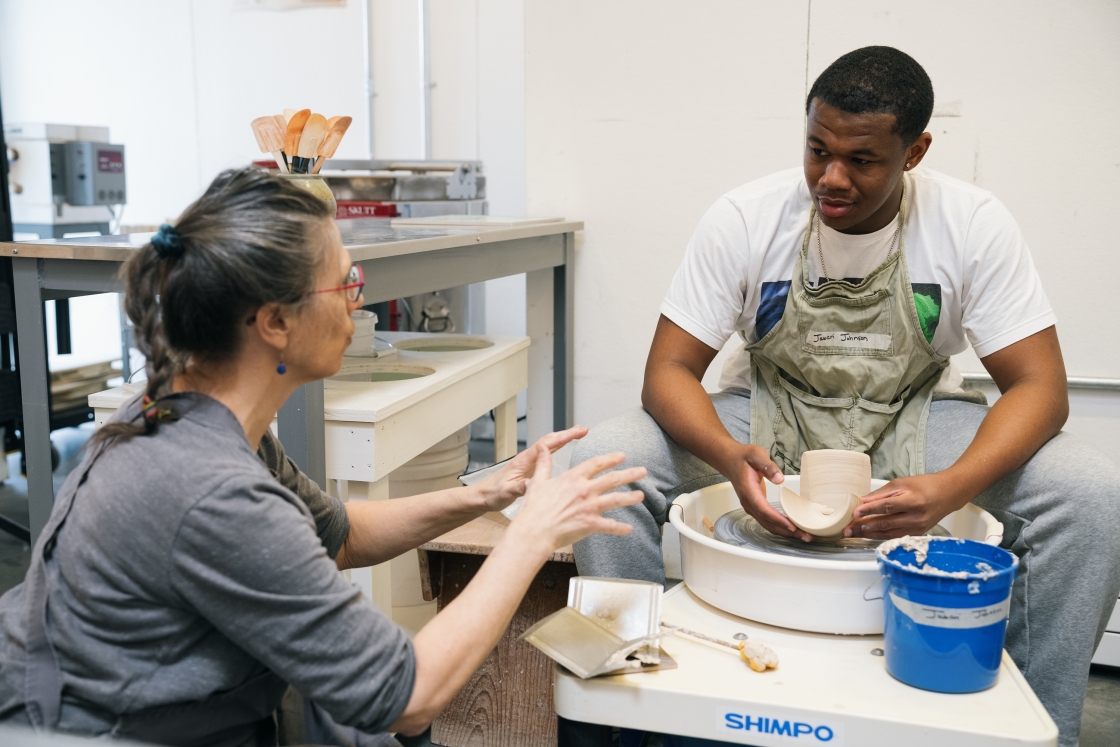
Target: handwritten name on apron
<point x="839" y="339"/>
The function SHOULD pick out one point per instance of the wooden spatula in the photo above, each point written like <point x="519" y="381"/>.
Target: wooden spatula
<point x="270" y="139"/>
<point x="338" y="127"/>
<point x="282" y="123"/>
<point x="309" y="141"/>
<point x="292" y="135"/>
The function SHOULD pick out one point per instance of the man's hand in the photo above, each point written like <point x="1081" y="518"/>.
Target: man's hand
<point x="747" y="467"/>
<point x="1032" y="377"/>
<point x="510" y="482"/>
<point x="675" y="398"/>
<point x="906" y="505"/>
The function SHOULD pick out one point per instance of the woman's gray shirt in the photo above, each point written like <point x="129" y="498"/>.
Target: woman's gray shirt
<point x="190" y="564"/>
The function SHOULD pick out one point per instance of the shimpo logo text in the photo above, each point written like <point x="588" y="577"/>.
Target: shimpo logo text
<point x="792" y="730"/>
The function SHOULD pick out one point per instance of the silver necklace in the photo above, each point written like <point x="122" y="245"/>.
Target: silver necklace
<point x="820" y="252"/>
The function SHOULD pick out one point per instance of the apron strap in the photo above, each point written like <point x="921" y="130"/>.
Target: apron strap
<point x="42" y="687"/>
<point x="228" y="718"/>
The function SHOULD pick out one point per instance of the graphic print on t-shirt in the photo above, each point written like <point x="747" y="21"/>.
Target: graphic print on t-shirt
<point x="927" y="300"/>
<point x="772" y="304"/>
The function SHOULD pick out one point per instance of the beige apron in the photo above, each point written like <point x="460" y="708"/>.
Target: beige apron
<point x="846" y="367"/>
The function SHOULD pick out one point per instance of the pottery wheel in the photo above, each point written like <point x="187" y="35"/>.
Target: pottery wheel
<point x="742" y="530"/>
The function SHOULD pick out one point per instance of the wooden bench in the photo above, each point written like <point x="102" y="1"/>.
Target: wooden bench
<point x="508" y="701"/>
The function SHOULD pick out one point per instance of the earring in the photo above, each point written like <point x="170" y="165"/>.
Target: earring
<point x="281" y="369"/>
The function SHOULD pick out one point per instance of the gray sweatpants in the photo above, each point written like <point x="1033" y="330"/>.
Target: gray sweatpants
<point x="1060" y="514"/>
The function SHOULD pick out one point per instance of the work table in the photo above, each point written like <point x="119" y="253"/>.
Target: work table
<point x="397" y="262"/>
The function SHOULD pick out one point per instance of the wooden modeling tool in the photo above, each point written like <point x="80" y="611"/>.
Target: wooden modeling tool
<point x="756" y="654"/>
<point x="270" y="139"/>
<point x="309" y="141"/>
<point x="292" y="135"/>
<point x="832" y="482"/>
<point x="282" y="123"/>
<point x="336" y="128"/>
<point x="287" y="115"/>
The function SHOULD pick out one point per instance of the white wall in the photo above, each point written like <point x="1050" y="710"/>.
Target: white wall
<point x="177" y="82"/>
<point x="138" y="69"/>
<point x="478" y="112"/>
<point x="1029" y="109"/>
<point x="397" y="77"/>
<point x="640" y="114"/>
<point x="249" y="63"/>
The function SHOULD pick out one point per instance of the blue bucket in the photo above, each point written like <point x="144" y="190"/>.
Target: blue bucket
<point x="945" y="632"/>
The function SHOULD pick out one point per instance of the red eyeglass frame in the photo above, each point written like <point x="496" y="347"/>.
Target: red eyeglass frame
<point x="359" y="285"/>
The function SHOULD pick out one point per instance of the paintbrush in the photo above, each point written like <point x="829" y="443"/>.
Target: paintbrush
<point x="337" y="127"/>
<point x="292" y="136"/>
<point x="270" y="139"/>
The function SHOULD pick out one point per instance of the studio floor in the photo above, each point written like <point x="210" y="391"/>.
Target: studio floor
<point x="1100" y="721"/>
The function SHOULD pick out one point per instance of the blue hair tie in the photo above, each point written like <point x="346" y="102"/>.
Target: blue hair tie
<point x="167" y="242"/>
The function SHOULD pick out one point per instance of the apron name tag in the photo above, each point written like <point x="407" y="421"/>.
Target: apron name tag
<point x="839" y="339"/>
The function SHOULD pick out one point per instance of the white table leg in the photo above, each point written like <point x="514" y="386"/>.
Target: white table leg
<point x="375" y="582"/>
<point x="505" y="429"/>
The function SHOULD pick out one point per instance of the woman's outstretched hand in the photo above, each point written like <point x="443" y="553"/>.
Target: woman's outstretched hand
<point x="559" y="511"/>
<point x="510" y="482"/>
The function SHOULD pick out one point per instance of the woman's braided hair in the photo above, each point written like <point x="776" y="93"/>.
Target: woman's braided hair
<point x="249" y="240"/>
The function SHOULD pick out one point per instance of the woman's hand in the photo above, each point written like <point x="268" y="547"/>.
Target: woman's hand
<point x="509" y="483"/>
<point x="559" y="511"/>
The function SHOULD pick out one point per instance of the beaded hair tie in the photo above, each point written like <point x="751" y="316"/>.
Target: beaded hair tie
<point x="153" y="413"/>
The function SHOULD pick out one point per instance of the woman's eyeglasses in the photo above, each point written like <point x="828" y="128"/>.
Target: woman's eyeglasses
<point x="355" y="281"/>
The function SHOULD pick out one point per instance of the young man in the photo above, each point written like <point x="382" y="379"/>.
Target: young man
<point x="853" y="281"/>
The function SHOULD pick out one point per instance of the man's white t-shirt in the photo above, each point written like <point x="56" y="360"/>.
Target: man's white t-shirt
<point x="970" y="268"/>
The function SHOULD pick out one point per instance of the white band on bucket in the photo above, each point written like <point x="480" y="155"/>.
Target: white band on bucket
<point x="952" y="617"/>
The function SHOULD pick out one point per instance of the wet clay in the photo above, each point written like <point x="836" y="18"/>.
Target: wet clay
<point x="920" y="547"/>
<point x="831" y="483"/>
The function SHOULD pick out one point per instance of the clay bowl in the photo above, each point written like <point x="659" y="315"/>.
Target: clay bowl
<point x="832" y="482"/>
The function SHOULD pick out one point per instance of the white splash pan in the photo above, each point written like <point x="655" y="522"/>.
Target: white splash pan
<point x="813" y="594"/>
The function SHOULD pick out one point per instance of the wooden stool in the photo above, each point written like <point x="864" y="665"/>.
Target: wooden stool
<point x="508" y="701"/>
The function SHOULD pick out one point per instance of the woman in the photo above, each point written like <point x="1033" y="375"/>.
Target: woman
<point x="189" y="573"/>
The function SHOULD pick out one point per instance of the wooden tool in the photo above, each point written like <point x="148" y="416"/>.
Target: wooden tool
<point x="309" y="141"/>
<point x="270" y="139"/>
<point x="293" y="133"/>
<point x="287" y="115"/>
<point x="756" y="654"/>
<point x="337" y="127"/>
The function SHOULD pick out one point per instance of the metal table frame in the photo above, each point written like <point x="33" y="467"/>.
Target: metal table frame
<point x="396" y="261"/>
